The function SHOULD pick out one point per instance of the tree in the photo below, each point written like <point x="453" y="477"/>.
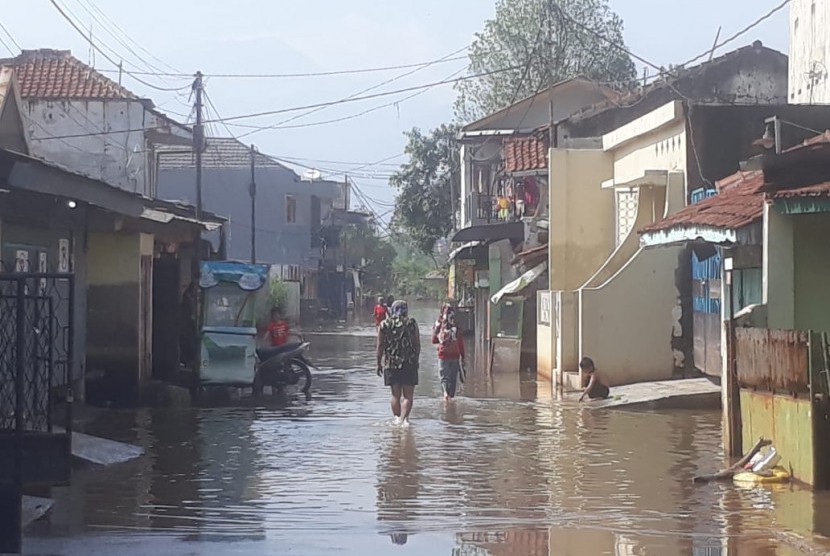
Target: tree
<point x="544" y="42"/>
<point x="427" y="186"/>
<point x="372" y="254"/>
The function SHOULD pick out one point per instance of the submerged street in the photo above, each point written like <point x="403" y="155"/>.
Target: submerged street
<point x="503" y="470"/>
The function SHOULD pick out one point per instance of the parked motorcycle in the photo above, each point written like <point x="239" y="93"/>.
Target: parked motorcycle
<point x="283" y="368"/>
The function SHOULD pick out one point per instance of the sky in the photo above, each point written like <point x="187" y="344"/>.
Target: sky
<point x="286" y="36"/>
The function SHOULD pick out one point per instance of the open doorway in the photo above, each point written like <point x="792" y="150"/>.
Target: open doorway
<point x="166" y="312"/>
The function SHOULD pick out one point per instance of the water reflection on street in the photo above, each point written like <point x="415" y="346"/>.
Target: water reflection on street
<point x="504" y="470"/>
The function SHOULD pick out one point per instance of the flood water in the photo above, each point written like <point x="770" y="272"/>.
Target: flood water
<point x="504" y="470"/>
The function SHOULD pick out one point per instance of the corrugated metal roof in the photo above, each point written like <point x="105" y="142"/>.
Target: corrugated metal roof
<point x="221" y="153"/>
<point x="739" y="203"/>
<point x="523" y="154"/>
<point x="56" y="74"/>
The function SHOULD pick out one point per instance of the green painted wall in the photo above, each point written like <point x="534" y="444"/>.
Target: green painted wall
<point x="788" y="423"/>
<point x="812" y="271"/>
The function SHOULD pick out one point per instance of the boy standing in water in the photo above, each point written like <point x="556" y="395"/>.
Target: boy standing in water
<point x="446" y="335"/>
<point x="596" y="389"/>
<point x="380" y="312"/>
<point x="398" y="355"/>
<point x="278" y="330"/>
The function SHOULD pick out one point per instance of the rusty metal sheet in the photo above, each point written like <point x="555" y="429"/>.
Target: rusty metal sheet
<point x="773" y="360"/>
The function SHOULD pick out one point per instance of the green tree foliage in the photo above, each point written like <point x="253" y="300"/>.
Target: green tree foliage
<point x="427" y="186"/>
<point x="410" y="269"/>
<point x="545" y="47"/>
<point x="374" y="255"/>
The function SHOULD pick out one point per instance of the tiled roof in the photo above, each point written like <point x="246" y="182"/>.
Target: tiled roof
<point x="739" y="203"/>
<point x="815" y="190"/>
<point x="221" y="153"/>
<point x="56" y="74"/>
<point x="522" y="154"/>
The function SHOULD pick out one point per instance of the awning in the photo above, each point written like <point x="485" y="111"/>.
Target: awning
<point x="491" y="232"/>
<point x="467" y="251"/>
<point x="520" y="283"/>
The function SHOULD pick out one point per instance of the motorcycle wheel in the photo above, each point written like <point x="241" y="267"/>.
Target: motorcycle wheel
<point x="302" y="374"/>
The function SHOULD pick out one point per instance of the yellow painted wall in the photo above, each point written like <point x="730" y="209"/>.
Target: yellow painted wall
<point x="812" y="271"/>
<point x="662" y="149"/>
<point x="787" y="422"/>
<point x="113" y="258"/>
<point x="626" y="324"/>
<point x="581" y="216"/>
<point x="779" y="261"/>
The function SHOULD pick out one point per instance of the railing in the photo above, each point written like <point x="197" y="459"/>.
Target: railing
<point x="36" y="354"/>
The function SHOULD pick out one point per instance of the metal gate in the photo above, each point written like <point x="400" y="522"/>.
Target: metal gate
<point x="36" y="355"/>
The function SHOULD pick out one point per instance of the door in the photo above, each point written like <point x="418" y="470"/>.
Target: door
<point x="166" y="317"/>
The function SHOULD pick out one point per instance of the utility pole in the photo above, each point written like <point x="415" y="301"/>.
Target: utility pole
<point x="253" y="204"/>
<point x="198" y="142"/>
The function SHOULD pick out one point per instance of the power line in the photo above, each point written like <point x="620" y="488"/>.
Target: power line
<point x="11" y="37"/>
<point x="105" y="55"/>
<point x="6" y="46"/>
<point x="301" y="75"/>
<point x="296" y="108"/>
<point x="358" y="93"/>
<point x="740" y="33"/>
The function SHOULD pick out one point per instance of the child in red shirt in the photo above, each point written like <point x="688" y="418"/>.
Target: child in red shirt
<point x="380" y="312"/>
<point x="278" y="330"/>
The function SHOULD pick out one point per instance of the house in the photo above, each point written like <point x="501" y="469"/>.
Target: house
<point x="771" y="223"/>
<point x="289" y="211"/>
<point x="92" y="142"/>
<point x="809" y="52"/>
<point x="503" y="210"/>
<point x="82" y="120"/>
<point x="617" y="167"/>
<point x="75" y="254"/>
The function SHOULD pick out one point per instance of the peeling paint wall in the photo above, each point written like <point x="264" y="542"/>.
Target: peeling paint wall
<point x="809" y="52"/>
<point x="69" y="133"/>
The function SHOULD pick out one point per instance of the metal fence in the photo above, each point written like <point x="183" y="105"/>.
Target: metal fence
<point x="36" y="348"/>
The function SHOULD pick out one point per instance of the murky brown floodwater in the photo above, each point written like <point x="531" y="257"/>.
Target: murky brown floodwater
<point x="502" y="471"/>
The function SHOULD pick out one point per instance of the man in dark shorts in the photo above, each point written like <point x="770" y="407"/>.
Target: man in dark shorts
<point x="398" y="356"/>
<point x="596" y="389"/>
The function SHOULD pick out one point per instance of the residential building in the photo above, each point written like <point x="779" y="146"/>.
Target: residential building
<point x="613" y="169"/>
<point x="771" y="223"/>
<point x="503" y="210"/>
<point x="290" y="212"/>
<point x="90" y="140"/>
<point x="81" y="119"/>
<point x="809" y="52"/>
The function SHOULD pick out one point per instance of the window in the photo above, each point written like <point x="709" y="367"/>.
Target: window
<point x="290" y="209"/>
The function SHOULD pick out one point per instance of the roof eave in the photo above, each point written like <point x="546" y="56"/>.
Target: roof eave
<point x="749" y="234"/>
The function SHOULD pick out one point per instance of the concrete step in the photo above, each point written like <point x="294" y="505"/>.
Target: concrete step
<point x="101" y="451"/>
<point x="570" y="382"/>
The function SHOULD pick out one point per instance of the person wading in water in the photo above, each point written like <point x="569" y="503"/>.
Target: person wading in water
<point x="596" y="389"/>
<point x="380" y="312"/>
<point x="447" y="336"/>
<point x="398" y="356"/>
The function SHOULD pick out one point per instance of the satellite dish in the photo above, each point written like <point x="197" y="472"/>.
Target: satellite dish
<point x="311" y="175"/>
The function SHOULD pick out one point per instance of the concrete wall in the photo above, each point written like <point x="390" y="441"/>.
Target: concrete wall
<point x="626" y="324"/>
<point x="544" y="337"/>
<point x="779" y="262"/>
<point x="119" y="159"/>
<point x="226" y="192"/>
<point x="809" y="51"/>
<point x="787" y="422"/>
<point x="581" y="216"/>
<point x="812" y="272"/>
<point x="113" y="354"/>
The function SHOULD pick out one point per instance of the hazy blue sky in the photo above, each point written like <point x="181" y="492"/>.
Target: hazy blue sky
<point x="277" y="36"/>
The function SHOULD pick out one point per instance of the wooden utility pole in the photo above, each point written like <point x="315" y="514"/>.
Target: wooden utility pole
<point x="198" y="142"/>
<point x="253" y="204"/>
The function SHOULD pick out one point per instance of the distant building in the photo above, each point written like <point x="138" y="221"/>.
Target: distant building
<point x="809" y="52"/>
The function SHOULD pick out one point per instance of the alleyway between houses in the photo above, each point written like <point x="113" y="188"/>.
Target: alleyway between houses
<point x="504" y="470"/>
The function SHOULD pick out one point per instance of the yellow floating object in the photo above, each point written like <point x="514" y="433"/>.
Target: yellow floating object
<point x="779" y="475"/>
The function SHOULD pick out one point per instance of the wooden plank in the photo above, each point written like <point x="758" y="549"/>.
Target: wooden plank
<point x="773" y="360"/>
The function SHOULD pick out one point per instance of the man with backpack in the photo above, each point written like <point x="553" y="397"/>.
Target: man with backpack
<point x="398" y="356"/>
<point x="446" y="335"/>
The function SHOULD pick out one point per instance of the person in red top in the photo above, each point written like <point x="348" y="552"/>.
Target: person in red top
<point x="278" y="330"/>
<point x="447" y="336"/>
<point x="380" y="312"/>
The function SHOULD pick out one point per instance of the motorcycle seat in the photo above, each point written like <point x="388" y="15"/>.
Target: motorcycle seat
<point x="267" y="353"/>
